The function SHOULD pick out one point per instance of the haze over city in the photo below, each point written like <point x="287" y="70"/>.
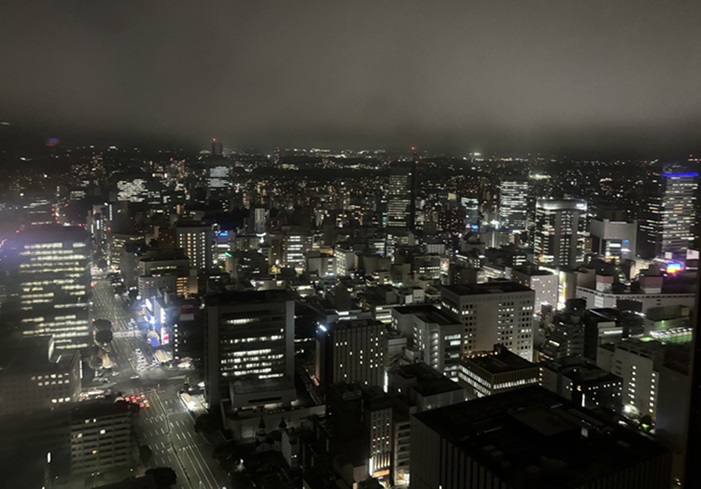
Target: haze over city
<point x="541" y="76"/>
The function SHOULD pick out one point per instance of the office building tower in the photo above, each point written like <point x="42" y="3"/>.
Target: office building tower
<point x="260" y="220"/>
<point x="218" y="178"/>
<point x="352" y="351"/>
<point x="414" y="203"/>
<point x="671" y="422"/>
<point x="294" y="245"/>
<point x="116" y="242"/>
<point x="614" y="239"/>
<point x="361" y="423"/>
<point x="38" y="377"/>
<point x="559" y="234"/>
<point x="472" y="212"/>
<point x="543" y="282"/>
<point x="531" y="438"/>
<point x="46" y="270"/>
<point x="132" y="188"/>
<point x="513" y="203"/>
<point x="164" y="270"/>
<point x="399" y="200"/>
<point x="419" y="388"/>
<point x="217" y="147"/>
<point x="492" y="313"/>
<point x="485" y="373"/>
<point x="583" y="383"/>
<point x="637" y="362"/>
<point x="345" y="260"/>
<point x="196" y="240"/>
<point x="38" y="210"/>
<point x="669" y="212"/>
<point x="433" y="336"/>
<point x="249" y="339"/>
<point x="101" y="435"/>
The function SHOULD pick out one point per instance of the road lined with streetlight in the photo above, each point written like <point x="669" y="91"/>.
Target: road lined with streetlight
<point x="164" y="423"/>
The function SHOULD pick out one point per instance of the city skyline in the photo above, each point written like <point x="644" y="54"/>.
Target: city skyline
<point x="371" y="245"/>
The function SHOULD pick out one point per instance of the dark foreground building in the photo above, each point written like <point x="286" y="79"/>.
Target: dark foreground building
<point x="530" y="438"/>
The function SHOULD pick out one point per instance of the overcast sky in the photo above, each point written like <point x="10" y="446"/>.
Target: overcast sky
<point x="480" y="75"/>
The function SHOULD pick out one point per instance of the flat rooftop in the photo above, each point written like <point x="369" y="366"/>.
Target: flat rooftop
<point x="31" y="355"/>
<point x="260" y="385"/>
<point x="98" y="408"/>
<point x="498" y="361"/>
<point x="428" y="381"/>
<point x="427" y="313"/>
<point x="578" y="369"/>
<point x="248" y="297"/>
<point x="531" y="271"/>
<point x="485" y="288"/>
<point x="532" y="432"/>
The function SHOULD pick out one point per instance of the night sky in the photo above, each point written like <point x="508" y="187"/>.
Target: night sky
<point x="485" y="75"/>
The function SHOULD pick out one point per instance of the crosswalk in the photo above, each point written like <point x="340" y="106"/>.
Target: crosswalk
<point x="132" y="333"/>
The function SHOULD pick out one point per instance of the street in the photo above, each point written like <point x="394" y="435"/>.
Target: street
<point x="163" y="423"/>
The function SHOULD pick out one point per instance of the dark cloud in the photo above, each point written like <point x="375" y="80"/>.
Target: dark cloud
<point x="481" y="74"/>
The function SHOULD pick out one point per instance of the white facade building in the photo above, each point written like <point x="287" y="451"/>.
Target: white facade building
<point x="493" y="313"/>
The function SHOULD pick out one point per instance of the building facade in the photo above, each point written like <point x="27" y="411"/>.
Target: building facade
<point x="492" y="313"/>
<point x="353" y="352"/>
<point x="249" y="336"/>
<point x="669" y="212"/>
<point x="560" y="228"/>
<point x="513" y="203"/>
<point x="47" y="279"/>
<point x="527" y="438"/>
<point x="100" y="437"/>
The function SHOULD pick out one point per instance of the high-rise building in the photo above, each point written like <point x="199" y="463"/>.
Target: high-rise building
<point x="637" y="363"/>
<point x="164" y="270"/>
<point x="46" y="270"/>
<point x="217" y="147"/>
<point x="38" y="377"/>
<point x="361" y="422"/>
<point x="531" y="438"/>
<point x="435" y="336"/>
<point x="132" y="188"/>
<point x="543" y="282"/>
<point x="100" y="436"/>
<point x="414" y="196"/>
<point x="492" y="313"/>
<point x="249" y="337"/>
<point x="420" y="388"/>
<point x="294" y="245"/>
<point x="260" y="220"/>
<point x="559" y="235"/>
<point x="38" y="210"/>
<point x="471" y="205"/>
<point x="513" y="203"/>
<point x="669" y="212"/>
<point x="614" y="239"/>
<point x="218" y="177"/>
<point x="352" y="351"/>
<point x="399" y="201"/>
<point x="196" y="240"/>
